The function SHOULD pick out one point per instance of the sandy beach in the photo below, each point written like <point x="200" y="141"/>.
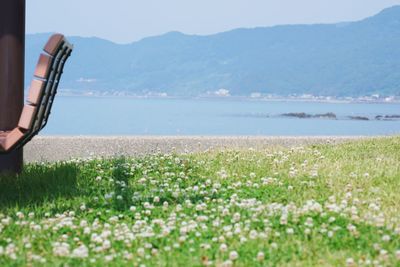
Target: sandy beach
<point x="54" y="148"/>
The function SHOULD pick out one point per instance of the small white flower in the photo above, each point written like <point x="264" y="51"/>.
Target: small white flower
<point x="397" y="253"/>
<point x="290" y="231"/>
<point x="227" y="263"/>
<point x="108" y="258"/>
<point x="61" y="249"/>
<point x="386" y="238"/>
<point x="140" y="252"/>
<point x="260" y="256"/>
<point x="350" y="262"/>
<point x="223" y="247"/>
<point x="253" y="234"/>
<point x="80" y="252"/>
<point x="233" y="255"/>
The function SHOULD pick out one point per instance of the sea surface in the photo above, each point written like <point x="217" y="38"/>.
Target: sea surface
<point x="147" y="116"/>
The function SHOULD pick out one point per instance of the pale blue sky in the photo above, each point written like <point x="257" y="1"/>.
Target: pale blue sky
<point x="125" y="21"/>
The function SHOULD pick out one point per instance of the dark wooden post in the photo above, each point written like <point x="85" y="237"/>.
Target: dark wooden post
<point x="12" y="56"/>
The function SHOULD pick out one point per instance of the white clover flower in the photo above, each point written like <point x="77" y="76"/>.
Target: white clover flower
<point x="205" y="246"/>
<point x="20" y="215"/>
<point x="350" y="262"/>
<point x="397" y="254"/>
<point x="108" y="258"/>
<point x="80" y="252"/>
<point x="386" y="238"/>
<point x="140" y="252"/>
<point x="61" y="249"/>
<point x="237" y="230"/>
<point x="236" y="217"/>
<point x="253" y="234"/>
<point x="222" y="174"/>
<point x="284" y="220"/>
<point x="223" y="247"/>
<point x="106" y="244"/>
<point x="154" y="251"/>
<point x="309" y="222"/>
<point x="113" y="219"/>
<point x="36" y="228"/>
<point x="260" y="256"/>
<point x="87" y="230"/>
<point x="290" y="231"/>
<point x="233" y="255"/>
<point x="6" y="221"/>
<point x="227" y="263"/>
<point x="10" y="251"/>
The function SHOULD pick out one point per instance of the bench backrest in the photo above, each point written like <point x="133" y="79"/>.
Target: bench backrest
<point x="43" y="89"/>
<point x="36" y="111"/>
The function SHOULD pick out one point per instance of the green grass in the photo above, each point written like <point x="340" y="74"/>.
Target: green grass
<point x="321" y="205"/>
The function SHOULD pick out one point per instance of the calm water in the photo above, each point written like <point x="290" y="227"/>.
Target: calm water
<point x="129" y="116"/>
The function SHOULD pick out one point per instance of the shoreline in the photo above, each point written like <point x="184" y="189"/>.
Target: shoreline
<point x="59" y="148"/>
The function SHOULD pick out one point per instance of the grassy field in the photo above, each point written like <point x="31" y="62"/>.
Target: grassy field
<point x="306" y="206"/>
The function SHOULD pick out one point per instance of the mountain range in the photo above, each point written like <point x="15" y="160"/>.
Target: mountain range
<point x="343" y="59"/>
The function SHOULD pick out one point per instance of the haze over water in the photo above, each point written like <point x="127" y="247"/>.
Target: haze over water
<point x="132" y="116"/>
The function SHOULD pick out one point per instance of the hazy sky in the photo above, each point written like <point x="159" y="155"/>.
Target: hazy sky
<point x="125" y="21"/>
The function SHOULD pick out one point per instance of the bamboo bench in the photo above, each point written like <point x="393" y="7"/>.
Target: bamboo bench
<point x="43" y="89"/>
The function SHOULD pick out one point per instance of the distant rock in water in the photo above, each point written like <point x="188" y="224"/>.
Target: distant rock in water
<point x="388" y="117"/>
<point x="329" y="115"/>
<point x="303" y="115"/>
<point x="358" y="118"/>
<point x="300" y="115"/>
